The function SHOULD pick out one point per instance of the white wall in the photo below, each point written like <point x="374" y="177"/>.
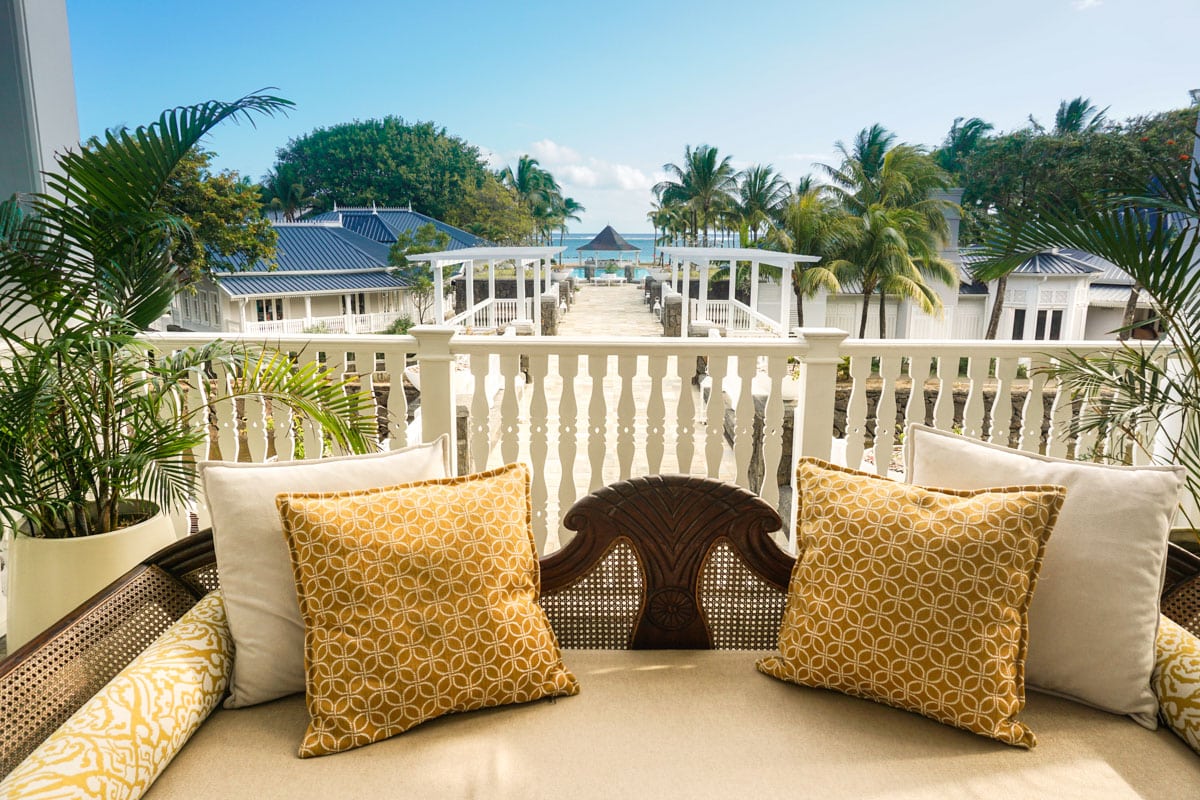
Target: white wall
<point x="37" y="91"/>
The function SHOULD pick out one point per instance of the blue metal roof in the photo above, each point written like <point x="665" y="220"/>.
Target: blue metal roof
<point x="322" y="248"/>
<point x="275" y="284"/>
<point x="385" y="224"/>
<point x="1050" y="262"/>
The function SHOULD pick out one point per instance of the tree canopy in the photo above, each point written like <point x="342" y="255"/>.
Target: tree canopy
<point x="223" y="216"/>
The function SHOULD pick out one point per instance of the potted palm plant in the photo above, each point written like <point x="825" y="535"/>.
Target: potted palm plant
<point x="98" y="430"/>
<point x="1143" y="399"/>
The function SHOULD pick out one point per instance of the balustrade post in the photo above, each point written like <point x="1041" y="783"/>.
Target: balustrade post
<point x="437" y="386"/>
<point x="812" y="431"/>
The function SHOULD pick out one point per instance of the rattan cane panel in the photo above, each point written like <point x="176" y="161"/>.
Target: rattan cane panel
<point x="1183" y="605"/>
<point x="600" y="610"/>
<point x="742" y="610"/>
<point x="41" y="691"/>
<point x="203" y="580"/>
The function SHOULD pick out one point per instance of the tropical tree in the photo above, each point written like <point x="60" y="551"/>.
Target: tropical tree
<point x="224" y="224"/>
<point x="812" y="223"/>
<point x="761" y="191"/>
<point x="1142" y="400"/>
<point x="963" y="139"/>
<point x="421" y="287"/>
<point x="283" y="192"/>
<point x="570" y="209"/>
<point x="387" y="161"/>
<point x="537" y="189"/>
<point x="890" y="190"/>
<point x="702" y="185"/>
<point x="90" y="415"/>
<point x="1078" y="116"/>
<point x="894" y="253"/>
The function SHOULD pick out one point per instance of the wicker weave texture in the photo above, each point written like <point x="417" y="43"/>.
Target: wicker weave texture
<point x="742" y="610"/>
<point x="598" y="612"/>
<point x="1182" y="604"/>
<point x="41" y="690"/>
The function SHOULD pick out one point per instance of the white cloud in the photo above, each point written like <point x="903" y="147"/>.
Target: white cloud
<point x="550" y="153"/>
<point x="1086" y="5"/>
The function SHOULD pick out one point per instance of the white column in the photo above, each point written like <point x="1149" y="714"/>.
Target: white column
<point x="702" y="306"/>
<point x="242" y="314"/>
<point x="439" y="294"/>
<point x="470" y="288"/>
<point x="785" y="296"/>
<point x="537" y="296"/>
<point x="754" y="285"/>
<point x="1032" y="299"/>
<point x="492" y="293"/>
<point x="683" y="310"/>
<point x="674" y="273"/>
<point x="307" y="310"/>
<point x="520" y="288"/>
<point x="733" y="281"/>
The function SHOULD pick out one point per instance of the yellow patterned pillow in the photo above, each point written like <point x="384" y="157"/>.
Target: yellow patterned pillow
<point x="418" y="601"/>
<point x="124" y="737"/>
<point x="915" y="598"/>
<point x="1176" y="680"/>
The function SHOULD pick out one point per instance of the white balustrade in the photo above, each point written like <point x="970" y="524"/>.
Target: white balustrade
<point x="584" y="412"/>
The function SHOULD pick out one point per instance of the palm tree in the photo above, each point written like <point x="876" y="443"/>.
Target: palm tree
<point x="811" y="223"/>
<point x="569" y="209"/>
<point x="902" y="226"/>
<point x="1142" y="401"/>
<point x="761" y="191"/>
<point x="703" y="184"/>
<point x="537" y="190"/>
<point x="90" y="416"/>
<point x="894" y="253"/>
<point x="1078" y="116"/>
<point x="283" y="192"/>
<point x="963" y="139"/>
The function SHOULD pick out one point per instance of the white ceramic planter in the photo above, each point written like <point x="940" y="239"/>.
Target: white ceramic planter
<point x="48" y="578"/>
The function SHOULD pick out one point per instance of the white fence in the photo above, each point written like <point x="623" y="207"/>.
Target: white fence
<point x="593" y="411"/>
<point x="491" y="314"/>
<point x="737" y="318"/>
<point x="344" y="323"/>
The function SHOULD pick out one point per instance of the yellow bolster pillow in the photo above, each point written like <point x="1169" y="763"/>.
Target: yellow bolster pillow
<point x="124" y="737"/>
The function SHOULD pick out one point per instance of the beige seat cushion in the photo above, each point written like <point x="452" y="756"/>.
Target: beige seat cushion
<point x="694" y="724"/>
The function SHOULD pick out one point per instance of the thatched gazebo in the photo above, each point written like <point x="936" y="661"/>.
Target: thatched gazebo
<point x="607" y="241"/>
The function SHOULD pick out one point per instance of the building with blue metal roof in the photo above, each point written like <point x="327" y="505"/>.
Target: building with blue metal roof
<point x="385" y="225"/>
<point x="329" y="274"/>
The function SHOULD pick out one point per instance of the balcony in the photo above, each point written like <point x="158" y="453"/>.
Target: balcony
<point x="584" y="412"/>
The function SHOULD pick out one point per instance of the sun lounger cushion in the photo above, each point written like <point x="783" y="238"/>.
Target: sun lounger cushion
<point x="418" y="601"/>
<point x="256" y="572"/>
<point x="119" y="741"/>
<point x="915" y="598"/>
<point x="1094" y="617"/>
<point x="1177" y="681"/>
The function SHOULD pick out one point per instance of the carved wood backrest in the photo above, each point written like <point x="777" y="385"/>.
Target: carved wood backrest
<point x="689" y="560"/>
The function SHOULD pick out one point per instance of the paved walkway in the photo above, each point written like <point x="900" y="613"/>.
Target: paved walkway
<point x="610" y="311"/>
<point x="599" y="312"/>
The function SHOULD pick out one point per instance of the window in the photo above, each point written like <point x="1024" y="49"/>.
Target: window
<point x="1018" y="323"/>
<point x="1055" y="318"/>
<point x="269" y="309"/>
<point x="358" y="304"/>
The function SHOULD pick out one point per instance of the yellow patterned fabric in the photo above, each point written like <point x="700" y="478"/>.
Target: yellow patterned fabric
<point x="418" y="601"/>
<point x="915" y="598"/>
<point x="124" y="737"/>
<point x="1176" y="680"/>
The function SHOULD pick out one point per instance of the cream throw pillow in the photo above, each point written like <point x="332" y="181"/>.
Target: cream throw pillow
<point x="418" y="601"/>
<point x="915" y="598"/>
<point x="253" y="561"/>
<point x="121" y="739"/>
<point x="1093" y="620"/>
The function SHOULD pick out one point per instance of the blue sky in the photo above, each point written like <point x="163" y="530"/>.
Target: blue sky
<point x="604" y="94"/>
